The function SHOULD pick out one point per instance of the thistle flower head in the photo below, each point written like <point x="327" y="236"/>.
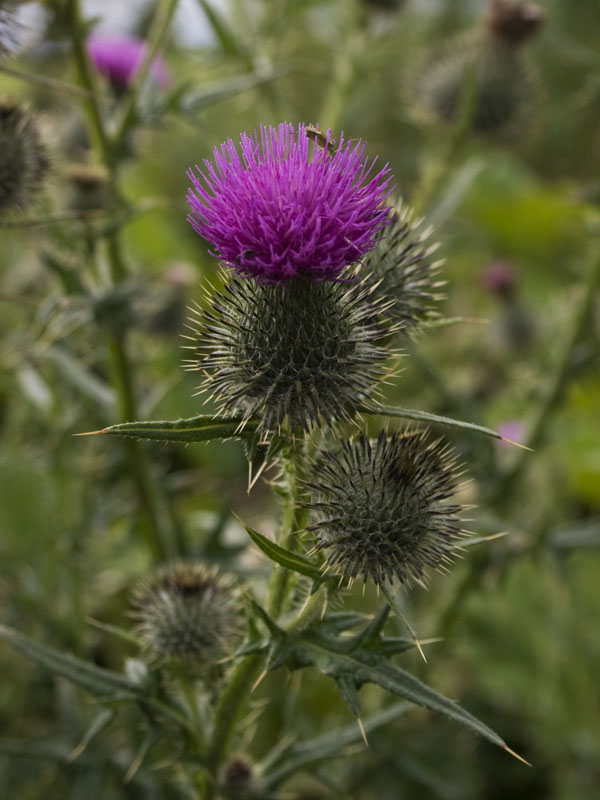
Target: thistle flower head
<point x="294" y="355"/>
<point x="118" y="58"/>
<point x="403" y="272"/>
<point x="383" y="507"/>
<point x="23" y="159"/>
<point x="188" y="613"/>
<point x="287" y="207"/>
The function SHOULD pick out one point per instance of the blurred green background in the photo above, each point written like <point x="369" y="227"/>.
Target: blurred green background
<point x="521" y="640"/>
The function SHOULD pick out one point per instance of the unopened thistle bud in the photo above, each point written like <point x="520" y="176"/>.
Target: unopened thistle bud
<point x="90" y="183"/>
<point x="383" y="507"/>
<point x="487" y="66"/>
<point x="188" y="613"/>
<point x="404" y="272"/>
<point x="23" y="159"/>
<point x="294" y="355"/>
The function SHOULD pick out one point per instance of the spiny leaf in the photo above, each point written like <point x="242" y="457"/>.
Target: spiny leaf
<point x="285" y="558"/>
<point x="100" y="682"/>
<point x="202" y="428"/>
<point x="433" y="419"/>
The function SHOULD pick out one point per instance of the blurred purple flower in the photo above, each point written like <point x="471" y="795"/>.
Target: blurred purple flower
<point x="512" y="429"/>
<point x="499" y="278"/>
<point x="277" y="212"/>
<point x="119" y="58"/>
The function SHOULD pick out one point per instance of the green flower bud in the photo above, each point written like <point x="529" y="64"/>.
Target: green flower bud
<point x="403" y="272"/>
<point x="294" y="355"/>
<point x="382" y="507"/>
<point x="23" y="159"/>
<point x="188" y="613"/>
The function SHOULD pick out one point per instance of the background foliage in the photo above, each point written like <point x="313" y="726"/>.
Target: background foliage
<point x="519" y="616"/>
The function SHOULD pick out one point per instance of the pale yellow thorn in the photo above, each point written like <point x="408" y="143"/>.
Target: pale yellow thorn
<point x="363" y="732"/>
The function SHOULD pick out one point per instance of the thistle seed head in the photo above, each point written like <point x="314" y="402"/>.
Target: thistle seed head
<point x="403" y="271"/>
<point x="383" y="507"/>
<point x="503" y="85"/>
<point x="23" y="159"/>
<point x="188" y="613"/>
<point x="295" y="355"/>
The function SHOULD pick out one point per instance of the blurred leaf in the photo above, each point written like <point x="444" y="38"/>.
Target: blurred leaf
<point x="96" y="727"/>
<point x="331" y="745"/>
<point x="100" y="682"/>
<point x="285" y="558"/>
<point x="201" y="98"/>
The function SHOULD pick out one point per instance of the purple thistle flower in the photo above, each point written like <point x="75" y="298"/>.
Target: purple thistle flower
<point x="276" y="213"/>
<point x="119" y="58"/>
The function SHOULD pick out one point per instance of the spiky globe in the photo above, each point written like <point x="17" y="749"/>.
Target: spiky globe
<point x="290" y="356"/>
<point x="23" y="159"/>
<point x="289" y="207"/>
<point x="504" y="86"/>
<point x="402" y="269"/>
<point x="513" y="21"/>
<point x="188" y="613"/>
<point x="383" y="507"/>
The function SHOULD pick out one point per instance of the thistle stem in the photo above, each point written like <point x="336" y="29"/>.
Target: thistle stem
<point x="507" y="483"/>
<point x="156" y="521"/>
<point x="245" y="673"/>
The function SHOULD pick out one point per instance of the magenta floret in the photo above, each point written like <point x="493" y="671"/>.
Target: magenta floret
<point x="288" y="208"/>
<point x="119" y="58"/>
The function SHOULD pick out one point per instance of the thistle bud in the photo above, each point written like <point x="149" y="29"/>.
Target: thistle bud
<point x="188" y="613"/>
<point x="292" y="355"/>
<point x="383" y="508"/>
<point x="491" y="66"/>
<point x="513" y="22"/>
<point x="23" y="159"/>
<point x="402" y="270"/>
<point x="90" y="184"/>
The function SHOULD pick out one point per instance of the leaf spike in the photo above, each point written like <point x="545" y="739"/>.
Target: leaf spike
<point x="91" y="433"/>
<point x="517" y="756"/>
<point x="363" y="733"/>
<point x="392" y="601"/>
<point x="258" y="681"/>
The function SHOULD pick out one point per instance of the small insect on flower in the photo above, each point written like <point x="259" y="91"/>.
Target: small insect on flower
<point x="23" y="158"/>
<point x="322" y="139"/>
<point x="280" y="212"/>
<point x="188" y="613"/>
<point x="383" y="508"/>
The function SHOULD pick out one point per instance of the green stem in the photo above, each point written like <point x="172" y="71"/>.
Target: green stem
<point x="88" y="81"/>
<point x="505" y="487"/>
<point x="247" y="670"/>
<point x="158" y="28"/>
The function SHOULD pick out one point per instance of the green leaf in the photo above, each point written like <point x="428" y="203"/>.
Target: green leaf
<point x="202" y="428"/>
<point x="285" y="558"/>
<point x="102" y="683"/>
<point x="331" y="745"/>
<point x="221" y="90"/>
<point x="433" y="419"/>
<point x="369" y="667"/>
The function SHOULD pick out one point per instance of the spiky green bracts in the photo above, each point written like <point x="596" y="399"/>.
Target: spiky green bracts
<point x="403" y="272"/>
<point x="293" y="355"/>
<point x="188" y="613"/>
<point x="383" y="507"/>
<point x="484" y="74"/>
<point x="23" y="158"/>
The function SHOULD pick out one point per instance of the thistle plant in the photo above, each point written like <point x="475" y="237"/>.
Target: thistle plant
<point x="324" y="278"/>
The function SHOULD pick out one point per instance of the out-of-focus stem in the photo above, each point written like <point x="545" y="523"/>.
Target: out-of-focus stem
<point x="504" y="489"/>
<point x="156" y="522"/>
<point x="158" y="28"/>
